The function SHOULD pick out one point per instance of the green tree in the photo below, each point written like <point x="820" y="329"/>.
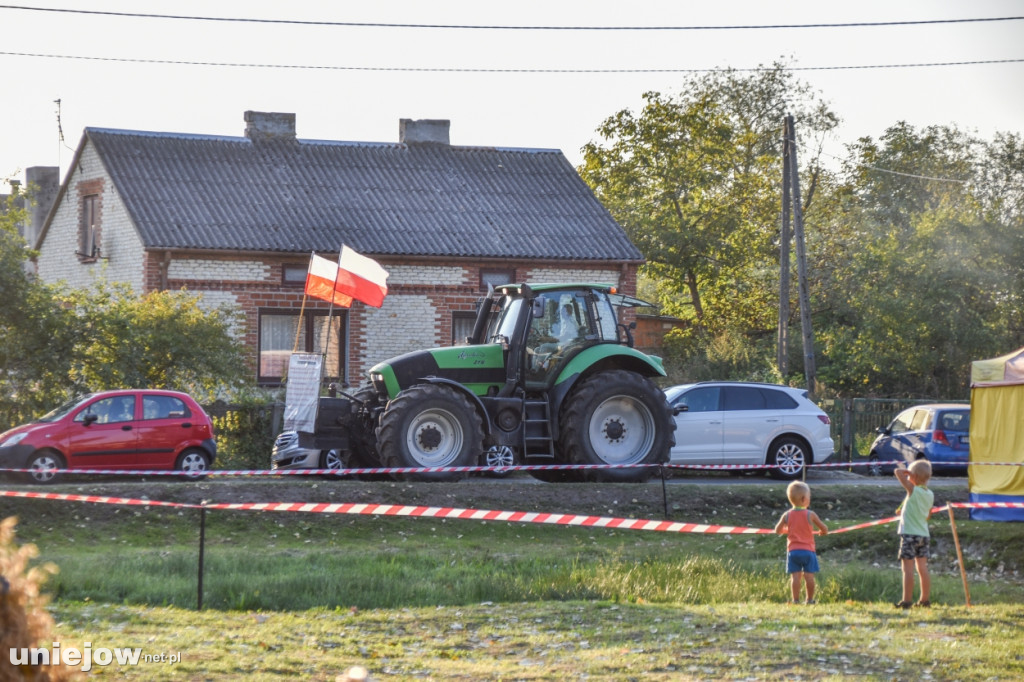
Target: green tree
<point x="34" y="330"/>
<point x="925" y="269"/>
<point x="162" y="339"/>
<point x="694" y="180"/>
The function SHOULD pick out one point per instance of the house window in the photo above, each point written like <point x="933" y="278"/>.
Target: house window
<point x="294" y="275"/>
<point x="279" y="331"/>
<point x="462" y="326"/>
<point x="495" y="278"/>
<point x="88" y="230"/>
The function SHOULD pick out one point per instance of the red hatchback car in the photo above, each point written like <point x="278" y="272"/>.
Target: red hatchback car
<point x="126" y="429"/>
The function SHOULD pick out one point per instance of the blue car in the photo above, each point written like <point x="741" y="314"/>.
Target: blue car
<point x="938" y="433"/>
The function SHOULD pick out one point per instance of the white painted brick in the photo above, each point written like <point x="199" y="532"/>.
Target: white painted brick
<point x="401" y="325"/>
<point x="571" y="275"/>
<point x="204" y="270"/>
<point x="425" y="274"/>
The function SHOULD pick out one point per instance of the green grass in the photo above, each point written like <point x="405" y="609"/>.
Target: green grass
<point x="290" y="595"/>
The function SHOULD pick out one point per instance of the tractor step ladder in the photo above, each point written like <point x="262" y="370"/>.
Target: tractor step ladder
<point x="537" y="440"/>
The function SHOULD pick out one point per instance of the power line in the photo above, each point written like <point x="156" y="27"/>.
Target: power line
<point x="868" y="166"/>
<point x="430" y="69"/>
<point x="493" y="27"/>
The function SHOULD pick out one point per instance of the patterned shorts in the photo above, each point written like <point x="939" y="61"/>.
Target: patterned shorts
<point x="913" y="546"/>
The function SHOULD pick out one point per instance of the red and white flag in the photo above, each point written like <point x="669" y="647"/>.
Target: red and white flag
<point x="361" y="278"/>
<point x="354" y="277"/>
<point x="321" y="279"/>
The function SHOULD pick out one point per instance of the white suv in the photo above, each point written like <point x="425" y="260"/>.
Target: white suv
<point x="731" y="422"/>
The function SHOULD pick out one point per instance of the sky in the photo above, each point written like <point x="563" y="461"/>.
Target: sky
<point x="498" y="87"/>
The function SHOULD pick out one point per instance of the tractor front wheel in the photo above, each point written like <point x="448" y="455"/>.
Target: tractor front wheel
<point x="617" y="418"/>
<point x="428" y="426"/>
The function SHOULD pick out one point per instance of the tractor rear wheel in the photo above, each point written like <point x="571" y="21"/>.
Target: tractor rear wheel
<point x="430" y="425"/>
<point x="617" y="418"/>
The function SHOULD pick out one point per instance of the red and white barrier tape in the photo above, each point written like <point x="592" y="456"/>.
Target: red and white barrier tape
<point x="432" y="470"/>
<point x="98" y="499"/>
<point x="465" y="514"/>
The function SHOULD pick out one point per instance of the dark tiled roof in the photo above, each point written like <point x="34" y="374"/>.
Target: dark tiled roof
<point x="207" y="192"/>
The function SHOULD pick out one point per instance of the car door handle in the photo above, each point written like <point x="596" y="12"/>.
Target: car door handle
<point x="772" y="419"/>
<point x="126" y="427"/>
<point x="186" y="425"/>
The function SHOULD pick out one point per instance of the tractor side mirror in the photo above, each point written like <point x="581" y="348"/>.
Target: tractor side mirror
<point x="539" y="305"/>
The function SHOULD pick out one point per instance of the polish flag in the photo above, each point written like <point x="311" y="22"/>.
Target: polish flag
<point x="361" y="278"/>
<point x="321" y="281"/>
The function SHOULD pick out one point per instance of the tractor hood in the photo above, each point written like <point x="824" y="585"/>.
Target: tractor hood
<point x="476" y="367"/>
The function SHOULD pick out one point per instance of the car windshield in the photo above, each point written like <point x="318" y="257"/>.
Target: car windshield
<point x="55" y="414"/>
<point x="672" y="392"/>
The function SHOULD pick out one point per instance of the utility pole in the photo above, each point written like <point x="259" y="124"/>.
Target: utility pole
<point x="810" y="370"/>
<point x="785" y="238"/>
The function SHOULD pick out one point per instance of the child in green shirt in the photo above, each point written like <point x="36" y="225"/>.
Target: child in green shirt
<point x="913" y="530"/>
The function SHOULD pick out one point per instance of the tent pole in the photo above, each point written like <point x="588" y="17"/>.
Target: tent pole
<point x="959" y="556"/>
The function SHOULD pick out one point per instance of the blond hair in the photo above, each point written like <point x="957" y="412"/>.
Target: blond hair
<point x="798" y="491"/>
<point x="922" y="470"/>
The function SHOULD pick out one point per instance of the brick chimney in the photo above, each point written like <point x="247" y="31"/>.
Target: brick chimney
<point x="44" y="183"/>
<point x="263" y="126"/>
<point x="425" y="131"/>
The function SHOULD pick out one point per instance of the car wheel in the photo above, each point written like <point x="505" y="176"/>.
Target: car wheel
<point x="499" y="456"/>
<point x="44" y="465"/>
<point x="330" y="459"/>
<point x="874" y="466"/>
<point x="193" y="460"/>
<point x="789" y="457"/>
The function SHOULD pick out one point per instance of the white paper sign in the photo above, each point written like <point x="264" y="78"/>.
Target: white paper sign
<point x="302" y="392"/>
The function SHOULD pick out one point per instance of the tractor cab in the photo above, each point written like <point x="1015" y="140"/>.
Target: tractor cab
<point x="548" y="325"/>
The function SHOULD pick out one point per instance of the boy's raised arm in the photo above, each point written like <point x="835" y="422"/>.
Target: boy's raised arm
<point x="902" y="475"/>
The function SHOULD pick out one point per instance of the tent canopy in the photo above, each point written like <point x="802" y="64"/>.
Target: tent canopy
<point x="1002" y="371"/>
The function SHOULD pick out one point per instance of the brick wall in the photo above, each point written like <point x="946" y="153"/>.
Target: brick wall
<point x="120" y="247"/>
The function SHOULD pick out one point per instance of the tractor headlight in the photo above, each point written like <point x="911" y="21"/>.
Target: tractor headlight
<point x="377" y="379"/>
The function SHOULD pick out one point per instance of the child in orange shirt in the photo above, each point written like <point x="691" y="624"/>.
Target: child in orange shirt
<point x="798" y="524"/>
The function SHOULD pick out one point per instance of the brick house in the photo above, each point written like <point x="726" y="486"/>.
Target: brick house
<point x="235" y="219"/>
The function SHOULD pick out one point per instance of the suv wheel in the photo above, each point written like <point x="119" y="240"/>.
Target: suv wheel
<point x="790" y="456"/>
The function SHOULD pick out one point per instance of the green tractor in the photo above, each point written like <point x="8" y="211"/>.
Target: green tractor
<point x="549" y="376"/>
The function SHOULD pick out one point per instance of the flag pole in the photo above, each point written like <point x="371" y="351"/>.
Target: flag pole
<point x="302" y="308"/>
<point x="330" y="321"/>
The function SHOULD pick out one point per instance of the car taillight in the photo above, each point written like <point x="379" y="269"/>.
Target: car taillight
<point x="940" y="437"/>
<point x="823" y="418"/>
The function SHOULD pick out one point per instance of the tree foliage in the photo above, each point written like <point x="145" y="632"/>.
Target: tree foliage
<point x="915" y="244"/>
<point x="928" y="268"/>
<point x="693" y="179"/>
<point x="162" y="339"/>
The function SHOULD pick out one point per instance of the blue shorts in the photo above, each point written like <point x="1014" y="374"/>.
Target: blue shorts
<point x="801" y="561"/>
